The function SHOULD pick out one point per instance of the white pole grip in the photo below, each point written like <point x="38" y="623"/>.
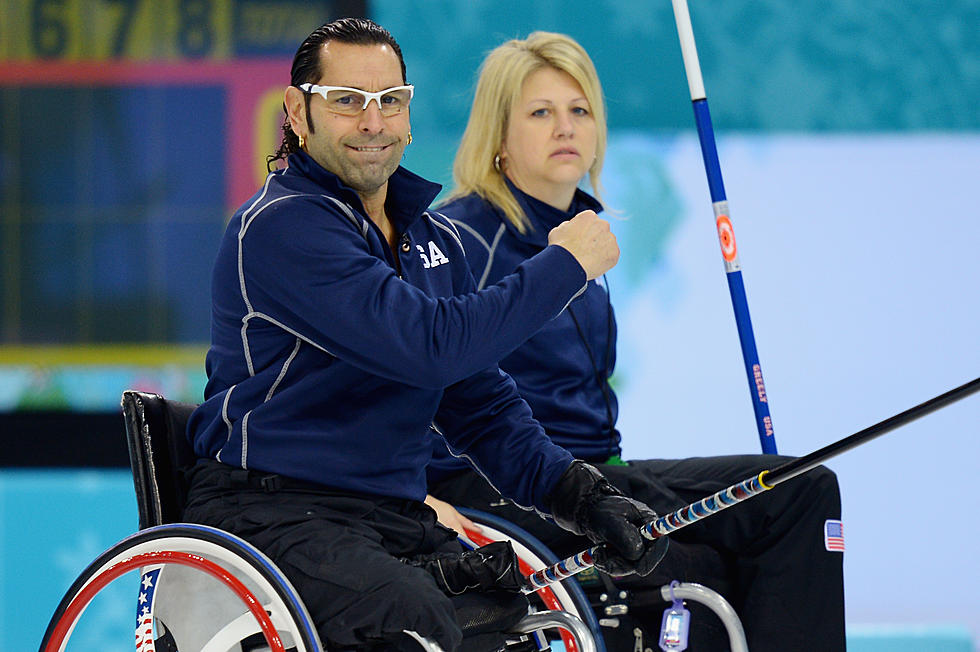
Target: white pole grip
<point x="689" y="50"/>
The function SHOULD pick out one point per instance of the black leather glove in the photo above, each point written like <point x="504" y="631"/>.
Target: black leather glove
<point x="584" y="502"/>
<point x="490" y="567"/>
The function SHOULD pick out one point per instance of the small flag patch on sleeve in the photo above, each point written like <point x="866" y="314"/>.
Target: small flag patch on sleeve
<point x="833" y="535"/>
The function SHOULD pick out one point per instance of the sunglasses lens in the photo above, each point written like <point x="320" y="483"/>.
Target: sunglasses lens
<point x="345" y="102"/>
<point x="395" y="101"/>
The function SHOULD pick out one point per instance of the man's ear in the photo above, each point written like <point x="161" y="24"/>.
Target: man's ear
<point x="295" y="103"/>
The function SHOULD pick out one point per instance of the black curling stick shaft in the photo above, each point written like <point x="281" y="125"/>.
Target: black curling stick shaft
<point x="803" y="464"/>
<point x="744" y="490"/>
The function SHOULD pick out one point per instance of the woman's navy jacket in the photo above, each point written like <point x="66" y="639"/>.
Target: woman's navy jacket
<point x="562" y="371"/>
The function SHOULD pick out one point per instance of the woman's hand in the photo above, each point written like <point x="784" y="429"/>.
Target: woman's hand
<point x="449" y="517"/>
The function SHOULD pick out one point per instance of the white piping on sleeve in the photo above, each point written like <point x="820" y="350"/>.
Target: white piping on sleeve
<point x="245" y="350"/>
<point x="490" y="254"/>
<point x="265" y="189"/>
<point x="259" y="315"/>
<point x="246" y="222"/>
<point x="285" y="368"/>
<point x="473" y="232"/>
<point x="245" y="439"/>
<point x="224" y="417"/>
<point x="349" y="212"/>
<point x="473" y="464"/>
<point x="247" y="218"/>
<point x="574" y="296"/>
<point x="491" y="249"/>
<point x="450" y="229"/>
<point x="448" y="220"/>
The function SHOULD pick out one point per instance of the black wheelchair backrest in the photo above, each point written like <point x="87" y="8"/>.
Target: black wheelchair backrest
<point x="159" y="454"/>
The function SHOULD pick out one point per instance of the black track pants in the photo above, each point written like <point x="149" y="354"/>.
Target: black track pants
<point x="340" y="553"/>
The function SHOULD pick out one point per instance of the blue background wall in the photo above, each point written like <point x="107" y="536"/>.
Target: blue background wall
<point x="849" y="137"/>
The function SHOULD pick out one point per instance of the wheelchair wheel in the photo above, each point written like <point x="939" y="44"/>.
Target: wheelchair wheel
<point x="266" y="604"/>
<point x="534" y="555"/>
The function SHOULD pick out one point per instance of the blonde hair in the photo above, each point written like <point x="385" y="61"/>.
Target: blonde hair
<point x="498" y="90"/>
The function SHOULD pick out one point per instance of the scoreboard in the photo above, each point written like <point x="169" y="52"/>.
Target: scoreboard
<point x="140" y="30"/>
<point x="158" y="116"/>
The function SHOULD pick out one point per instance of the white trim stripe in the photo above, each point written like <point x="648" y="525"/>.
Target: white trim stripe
<point x="473" y="232"/>
<point x="245" y="439"/>
<point x="224" y="417"/>
<point x="574" y="296"/>
<point x="285" y="368"/>
<point x="248" y="217"/>
<point x="490" y="254"/>
<point x="471" y="462"/>
<point x="245" y="350"/>
<point x="349" y="212"/>
<point x="246" y="222"/>
<point x="265" y="189"/>
<point x="289" y="330"/>
<point x="450" y="229"/>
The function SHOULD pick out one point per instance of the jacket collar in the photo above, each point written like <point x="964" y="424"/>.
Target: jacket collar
<point x="409" y="195"/>
<point x="544" y="217"/>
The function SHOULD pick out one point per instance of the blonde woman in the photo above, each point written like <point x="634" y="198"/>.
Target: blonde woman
<point x="536" y="131"/>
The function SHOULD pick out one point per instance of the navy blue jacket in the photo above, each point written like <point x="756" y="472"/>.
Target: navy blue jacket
<point x="563" y="370"/>
<point x="327" y="365"/>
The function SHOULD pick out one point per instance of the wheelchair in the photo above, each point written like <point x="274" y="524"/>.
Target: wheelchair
<point x="205" y="589"/>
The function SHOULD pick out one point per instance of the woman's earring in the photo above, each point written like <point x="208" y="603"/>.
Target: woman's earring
<point x="302" y="142"/>
<point x="496" y="162"/>
<point x="409" y="140"/>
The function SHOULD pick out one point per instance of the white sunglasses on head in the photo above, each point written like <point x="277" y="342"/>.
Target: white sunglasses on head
<point x="351" y="101"/>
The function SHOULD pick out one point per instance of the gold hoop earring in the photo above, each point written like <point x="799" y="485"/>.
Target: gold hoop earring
<point x="496" y="162"/>
<point x="302" y="142"/>
<point x="409" y="140"/>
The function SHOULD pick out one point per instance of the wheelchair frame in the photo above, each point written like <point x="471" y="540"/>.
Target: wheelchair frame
<point x="273" y="607"/>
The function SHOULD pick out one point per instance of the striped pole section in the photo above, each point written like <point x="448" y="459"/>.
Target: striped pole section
<point x="723" y="222"/>
<point x="664" y="525"/>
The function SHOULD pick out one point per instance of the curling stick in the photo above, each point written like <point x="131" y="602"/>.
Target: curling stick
<point x="753" y="486"/>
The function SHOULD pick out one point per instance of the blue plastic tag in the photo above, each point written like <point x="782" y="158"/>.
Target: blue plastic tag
<point x="675" y="624"/>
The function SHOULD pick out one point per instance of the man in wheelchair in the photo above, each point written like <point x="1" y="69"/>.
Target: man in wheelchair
<point x="346" y="334"/>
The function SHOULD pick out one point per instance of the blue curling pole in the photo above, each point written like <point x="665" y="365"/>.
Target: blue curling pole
<point x="726" y="232"/>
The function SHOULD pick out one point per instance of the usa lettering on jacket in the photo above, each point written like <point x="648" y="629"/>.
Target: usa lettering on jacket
<point x="435" y="257"/>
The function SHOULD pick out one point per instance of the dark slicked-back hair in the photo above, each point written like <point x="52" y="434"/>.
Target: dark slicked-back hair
<point x="306" y="66"/>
